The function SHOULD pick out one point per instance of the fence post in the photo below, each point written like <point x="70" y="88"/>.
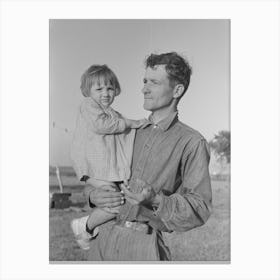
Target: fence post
<point x="59" y="179"/>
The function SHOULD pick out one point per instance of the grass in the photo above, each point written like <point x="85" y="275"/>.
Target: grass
<point x="211" y="242"/>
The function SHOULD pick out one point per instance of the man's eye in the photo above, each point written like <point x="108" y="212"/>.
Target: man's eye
<point x="98" y="89"/>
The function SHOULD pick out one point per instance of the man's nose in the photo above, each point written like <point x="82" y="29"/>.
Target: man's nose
<point x="145" y="89"/>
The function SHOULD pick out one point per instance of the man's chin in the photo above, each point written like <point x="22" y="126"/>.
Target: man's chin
<point x="147" y="107"/>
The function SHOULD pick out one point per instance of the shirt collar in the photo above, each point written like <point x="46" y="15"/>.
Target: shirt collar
<point x="163" y="124"/>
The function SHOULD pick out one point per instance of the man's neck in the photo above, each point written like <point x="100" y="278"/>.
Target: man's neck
<point x="159" y="115"/>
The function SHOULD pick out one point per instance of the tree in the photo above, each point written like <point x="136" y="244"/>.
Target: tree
<point x="221" y="145"/>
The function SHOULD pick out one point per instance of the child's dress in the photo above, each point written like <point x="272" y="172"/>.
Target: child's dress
<point x="102" y="145"/>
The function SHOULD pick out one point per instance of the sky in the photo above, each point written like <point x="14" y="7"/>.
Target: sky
<point x="123" y="45"/>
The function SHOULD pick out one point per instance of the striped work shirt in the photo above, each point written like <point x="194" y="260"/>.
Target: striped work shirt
<point x="173" y="159"/>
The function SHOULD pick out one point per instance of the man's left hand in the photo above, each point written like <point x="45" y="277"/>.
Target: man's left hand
<point x="146" y="196"/>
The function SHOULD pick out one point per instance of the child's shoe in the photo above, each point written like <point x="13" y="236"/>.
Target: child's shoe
<point x="82" y="236"/>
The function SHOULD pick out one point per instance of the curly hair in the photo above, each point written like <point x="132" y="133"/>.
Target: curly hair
<point x="97" y="73"/>
<point x="177" y="68"/>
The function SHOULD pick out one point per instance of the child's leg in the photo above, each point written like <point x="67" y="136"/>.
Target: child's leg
<point x="86" y="228"/>
<point x="98" y="217"/>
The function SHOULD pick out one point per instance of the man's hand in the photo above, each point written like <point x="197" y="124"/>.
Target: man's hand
<point x="146" y="196"/>
<point x="104" y="196"/>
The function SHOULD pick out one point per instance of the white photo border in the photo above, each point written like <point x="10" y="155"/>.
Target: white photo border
<point x="25" y="139"/>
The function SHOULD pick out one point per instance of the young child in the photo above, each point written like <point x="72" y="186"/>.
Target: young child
<point x="102" y="144"/>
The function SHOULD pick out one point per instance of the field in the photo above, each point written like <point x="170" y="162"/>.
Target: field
<point x="211" y="242"/>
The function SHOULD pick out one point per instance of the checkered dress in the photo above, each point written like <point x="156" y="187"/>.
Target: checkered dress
<point x="102" y="145"/>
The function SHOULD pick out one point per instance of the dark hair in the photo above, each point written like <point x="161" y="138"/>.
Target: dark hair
<point x="97" y="73"/>
<point x="177" y="68"/>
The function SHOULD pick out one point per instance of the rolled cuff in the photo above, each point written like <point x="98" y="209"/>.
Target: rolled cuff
<point x="164" y="210"/>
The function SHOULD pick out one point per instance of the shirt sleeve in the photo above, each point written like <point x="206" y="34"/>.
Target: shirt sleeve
<point x="102" y="121"/>
<point x="191" y="205"/>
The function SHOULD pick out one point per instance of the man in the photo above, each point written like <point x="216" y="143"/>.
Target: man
<point x="169" y="189"/>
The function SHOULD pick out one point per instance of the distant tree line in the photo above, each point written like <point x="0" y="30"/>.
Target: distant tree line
<point x="64" y="170"/>
<point x="220" y="144"/>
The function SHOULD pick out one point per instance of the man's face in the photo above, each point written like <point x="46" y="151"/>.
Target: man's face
<point x="157" y="92"/>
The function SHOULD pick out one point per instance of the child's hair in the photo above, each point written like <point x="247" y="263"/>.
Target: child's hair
<point x="96" y="74"/>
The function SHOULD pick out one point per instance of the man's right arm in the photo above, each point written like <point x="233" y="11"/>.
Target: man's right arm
<point x="87" y="190"/>
<point x="102" y="196"/>
<point x="190" y="206"/>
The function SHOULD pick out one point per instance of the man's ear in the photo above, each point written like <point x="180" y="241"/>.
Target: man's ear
<point x="178" y="90"/>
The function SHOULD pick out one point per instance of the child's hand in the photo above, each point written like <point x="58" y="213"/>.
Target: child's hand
<point x="142" y="122"/>
<point x="135" y="123"/>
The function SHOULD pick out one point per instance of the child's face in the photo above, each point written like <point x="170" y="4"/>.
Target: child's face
<point x="103" y="94"/>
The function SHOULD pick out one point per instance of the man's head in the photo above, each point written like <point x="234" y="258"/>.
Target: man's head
<point x="177" y="68"/>
<point x="166" y="80"/>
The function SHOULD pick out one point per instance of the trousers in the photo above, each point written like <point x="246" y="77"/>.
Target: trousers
<point x="117" y="243"/>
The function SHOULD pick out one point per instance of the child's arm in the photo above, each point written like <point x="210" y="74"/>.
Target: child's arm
<point x="135" y="123"/>
<point x="103" y="122"/>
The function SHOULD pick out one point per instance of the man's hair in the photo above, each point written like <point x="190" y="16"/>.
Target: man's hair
<point x="177" y="68"/>
<point x="96" y="74"/>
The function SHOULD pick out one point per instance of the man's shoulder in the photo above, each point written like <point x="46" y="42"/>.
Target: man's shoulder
<point x="192" y="138"/>
<point x="190" y="134"/>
